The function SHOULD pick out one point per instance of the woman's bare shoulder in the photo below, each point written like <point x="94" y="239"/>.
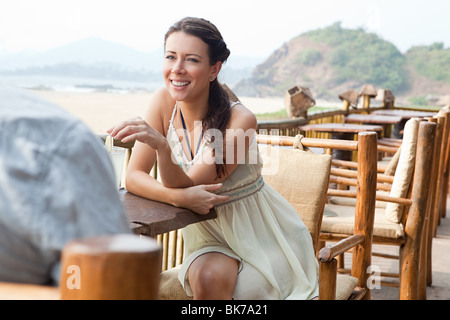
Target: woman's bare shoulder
<point x="159" y="109"/>
<point x="160" y="100"/>
<point x="242" y="117"/>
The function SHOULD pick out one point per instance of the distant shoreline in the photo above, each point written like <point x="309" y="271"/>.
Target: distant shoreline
<point x="102" y="109"/>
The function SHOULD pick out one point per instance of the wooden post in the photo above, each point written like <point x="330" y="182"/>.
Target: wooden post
<point x="365" y="206"/>
<point x="113" y="267"/>
<point x="410" y="251"/>
<point x="446" y="174"/>
<point x="327" y="285"/>
<point x="440" y="174"/>
<point x="367" y="92"/>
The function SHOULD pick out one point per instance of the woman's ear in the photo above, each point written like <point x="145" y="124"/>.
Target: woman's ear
<point x="215" y="69"/>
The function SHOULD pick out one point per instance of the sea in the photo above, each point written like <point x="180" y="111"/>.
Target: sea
<point x="78" y="84"/>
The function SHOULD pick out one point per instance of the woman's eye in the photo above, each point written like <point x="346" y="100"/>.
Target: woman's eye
<point x="193" y="60"/>
<point x="170" y="57"/>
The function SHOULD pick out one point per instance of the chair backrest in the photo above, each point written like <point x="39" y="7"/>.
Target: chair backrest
<point x="404" y="170"/>
<point x="302" y="179"/>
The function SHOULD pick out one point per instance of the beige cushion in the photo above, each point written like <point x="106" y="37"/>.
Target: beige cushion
<point x="344" y="222"/>
<point x="345" y="285"/>
<point x="301" y="178"/>
<point x="404" y="171"/>
<point x="170" y="287"/>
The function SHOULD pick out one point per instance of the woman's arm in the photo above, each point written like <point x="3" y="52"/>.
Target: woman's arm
<point x="138" y="179"/>
<point x="199" y="199"/>
<point x="150" y="137"/>
<point x="240" y="132"/>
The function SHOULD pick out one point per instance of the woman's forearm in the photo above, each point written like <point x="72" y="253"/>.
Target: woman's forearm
<point x="172" y="175"/>
<point x="199" y="199"/>
<point x="144" y="185"/>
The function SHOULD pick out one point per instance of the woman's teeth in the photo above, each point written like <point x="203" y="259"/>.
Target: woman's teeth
<point x="179" y="84"/>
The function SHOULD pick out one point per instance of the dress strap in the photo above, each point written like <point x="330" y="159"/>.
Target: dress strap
<point x="187" y="137"/>
<point x="234" y="103"/>
<point x="174" y="110"/>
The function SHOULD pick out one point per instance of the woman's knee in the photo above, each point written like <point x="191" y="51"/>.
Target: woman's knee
<point x="213" y="277"/>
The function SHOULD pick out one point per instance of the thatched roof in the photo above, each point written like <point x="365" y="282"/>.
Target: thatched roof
<point x="388" y="96"/>
<point x="297" y="100"/>
<point x="368" y="90"/>
<point x="385" y="95"/>
<point x="351" y="96"/>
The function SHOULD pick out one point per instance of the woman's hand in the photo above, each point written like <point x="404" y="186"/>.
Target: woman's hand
<point x="137" y="129"/>
<point x="201" y="198"/>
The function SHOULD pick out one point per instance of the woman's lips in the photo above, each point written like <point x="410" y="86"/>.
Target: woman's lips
<point x="180" y="84"/>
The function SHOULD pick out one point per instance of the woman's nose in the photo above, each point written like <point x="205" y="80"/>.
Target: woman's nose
<point x="178" y="67"/>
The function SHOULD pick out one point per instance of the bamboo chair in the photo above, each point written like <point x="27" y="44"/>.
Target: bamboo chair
<point x="111" y="267"/>
<point x="366" y="146"/>
<point x="302" y="178"/>
<point x="435" y="193"/>
<point x="405" y="229"/>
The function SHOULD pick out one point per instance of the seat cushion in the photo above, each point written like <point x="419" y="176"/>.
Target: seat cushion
<point x="344" y="222"/>
<point x="170" y="287"/>
<point x="345" y="285"/>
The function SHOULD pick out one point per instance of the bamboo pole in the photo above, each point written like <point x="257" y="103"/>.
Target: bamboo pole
<point x="410" y="251"/>
<point x="365" y="207"/>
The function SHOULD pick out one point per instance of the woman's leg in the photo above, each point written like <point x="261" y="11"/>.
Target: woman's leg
<point x="213" y="276"/>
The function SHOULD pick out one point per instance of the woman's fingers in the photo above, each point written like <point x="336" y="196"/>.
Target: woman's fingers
<point x="125" y="129"/>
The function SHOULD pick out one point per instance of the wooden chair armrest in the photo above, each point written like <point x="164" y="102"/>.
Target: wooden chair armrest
<point x="328" y="265"/>
<point x="331" y="251"/>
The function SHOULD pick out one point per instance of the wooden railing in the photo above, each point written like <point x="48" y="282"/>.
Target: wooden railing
<point x="289" y="127"/>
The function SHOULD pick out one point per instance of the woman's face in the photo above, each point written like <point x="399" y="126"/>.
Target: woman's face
<point x="186" y="69"/>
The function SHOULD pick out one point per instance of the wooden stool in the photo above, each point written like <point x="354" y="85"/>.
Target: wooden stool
<point x="110" y="267"/>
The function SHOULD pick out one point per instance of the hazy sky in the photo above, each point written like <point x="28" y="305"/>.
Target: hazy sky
<point x="250" y="27"/>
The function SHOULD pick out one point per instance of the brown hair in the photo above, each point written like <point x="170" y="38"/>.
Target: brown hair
<point x="219" y="113"/>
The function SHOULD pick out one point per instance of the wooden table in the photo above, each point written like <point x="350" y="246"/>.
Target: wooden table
<point x="379" y="119"/>
<point x="150" y="218"/>
<point x="343" y="131"/>
<point x="405" y="115"/>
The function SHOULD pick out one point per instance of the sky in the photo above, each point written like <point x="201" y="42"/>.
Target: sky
<point x="250" y="27"/>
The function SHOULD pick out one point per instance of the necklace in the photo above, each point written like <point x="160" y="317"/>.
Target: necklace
<point x="187" y="137"/>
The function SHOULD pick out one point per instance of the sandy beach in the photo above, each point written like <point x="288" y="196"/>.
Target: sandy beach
<point x="102" y="110"/>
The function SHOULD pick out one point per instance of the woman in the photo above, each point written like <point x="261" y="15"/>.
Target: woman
<point x="257" y="247"/>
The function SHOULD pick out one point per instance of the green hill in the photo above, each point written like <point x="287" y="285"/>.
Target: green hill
<point x="432" y="61"/>
<point x="334" y="59"/>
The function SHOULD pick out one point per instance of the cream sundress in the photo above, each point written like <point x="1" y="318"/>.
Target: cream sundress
<point x="256" y="226"/>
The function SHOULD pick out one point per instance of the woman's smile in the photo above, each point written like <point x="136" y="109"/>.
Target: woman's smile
<point x="180" y="84"/>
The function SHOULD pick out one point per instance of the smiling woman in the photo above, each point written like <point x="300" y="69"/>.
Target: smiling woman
<point x="256" y="232"/>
